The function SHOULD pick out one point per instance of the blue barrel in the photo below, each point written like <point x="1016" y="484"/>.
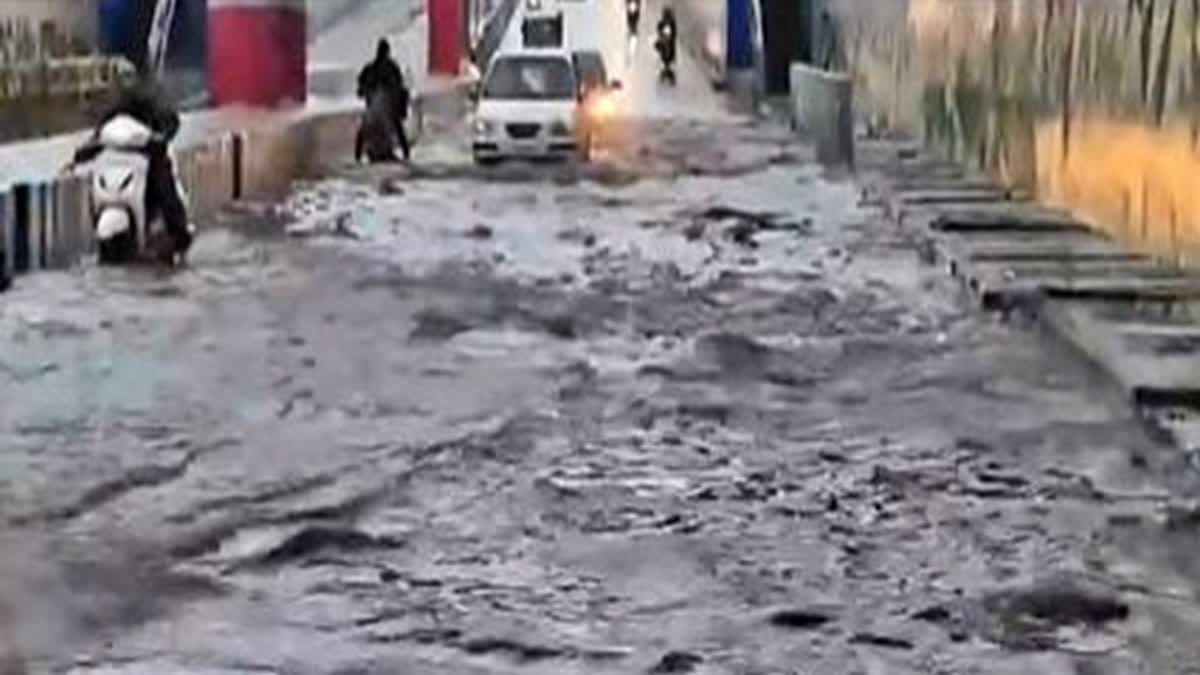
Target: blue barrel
<point x="117" y="27"/>
<point x="739" y="35"/>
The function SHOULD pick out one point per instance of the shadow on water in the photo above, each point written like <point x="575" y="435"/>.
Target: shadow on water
<point x="1093" y="104"/>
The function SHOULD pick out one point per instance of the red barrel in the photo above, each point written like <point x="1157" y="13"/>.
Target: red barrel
<point x="447" y="35"/>
<point x="257" y="52"/>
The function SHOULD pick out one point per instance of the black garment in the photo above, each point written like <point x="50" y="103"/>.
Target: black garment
<point x="401" y="136"/>
<point x="383" y="73"/>
<point x="143" y="104"/>
<point x="666" y="47"/>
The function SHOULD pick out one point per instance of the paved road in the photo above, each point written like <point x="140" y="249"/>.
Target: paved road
<point x="690" y="410"/>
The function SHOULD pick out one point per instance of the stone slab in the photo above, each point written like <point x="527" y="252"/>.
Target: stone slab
<point x="958" y="196"/>
<point x="1014" y="220"/>
<point x="1034" y="291"/>
<point x="925" y="183"/>
<point x="1154" y="365"/>
<point x="1066" y="246"/>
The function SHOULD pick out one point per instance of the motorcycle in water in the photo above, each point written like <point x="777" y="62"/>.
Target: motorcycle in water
<point x="633" y="13"/>
<point x="665" y="46"/>
<point x="124" y="231"/>
<point x="377" y="130"/>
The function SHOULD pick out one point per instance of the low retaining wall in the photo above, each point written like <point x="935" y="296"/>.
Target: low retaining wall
<point x="823" y="107"/>
<point x="47" y="224"/>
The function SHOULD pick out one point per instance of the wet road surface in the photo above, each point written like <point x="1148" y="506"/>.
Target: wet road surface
<point x="689" y="410"/>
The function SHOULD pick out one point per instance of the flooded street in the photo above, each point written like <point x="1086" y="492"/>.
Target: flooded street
<point x="691" y="409"/>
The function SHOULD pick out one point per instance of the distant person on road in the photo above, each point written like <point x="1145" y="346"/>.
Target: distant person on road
<point x="146" y="103"/>
<point x="668" y="35"/>
<point x="383" y="74"/>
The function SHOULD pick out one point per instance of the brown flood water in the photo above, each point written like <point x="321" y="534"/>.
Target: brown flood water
<point x="1092" y="104"/>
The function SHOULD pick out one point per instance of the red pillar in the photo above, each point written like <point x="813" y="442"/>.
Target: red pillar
<point x="257" y="51"/>
<point x="446" y="36"/>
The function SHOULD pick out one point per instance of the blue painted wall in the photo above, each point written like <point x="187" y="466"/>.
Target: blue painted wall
<point x="117" y="26"/>
<point x="739" y="35"/>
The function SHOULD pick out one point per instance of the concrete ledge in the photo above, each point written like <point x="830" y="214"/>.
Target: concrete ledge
<point x="332" y="81"/>
<point x="823" y="107"/>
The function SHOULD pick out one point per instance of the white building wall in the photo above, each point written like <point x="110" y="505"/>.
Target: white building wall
<point x="32" y="29"/>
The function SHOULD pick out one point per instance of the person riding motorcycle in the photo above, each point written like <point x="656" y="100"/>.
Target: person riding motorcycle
<point x="145" y="103"/>
<point x="668" y="31"/>
<point x="383" y="73"/>
<point x="633" y="13"/>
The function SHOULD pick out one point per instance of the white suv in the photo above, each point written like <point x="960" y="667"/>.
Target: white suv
<point x="528" y="106"/>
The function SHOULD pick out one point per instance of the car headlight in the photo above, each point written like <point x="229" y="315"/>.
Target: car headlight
<point x="602" y="107"/>
<point x="485" y="127"/>
<point x="560" y="128"/>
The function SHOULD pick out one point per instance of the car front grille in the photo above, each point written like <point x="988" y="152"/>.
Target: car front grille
<point x="522" y="130"/>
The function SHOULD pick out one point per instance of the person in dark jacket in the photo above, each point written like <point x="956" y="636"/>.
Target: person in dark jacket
<point x="383" y="73"/>
<point x="668" y="35"/>
<point x="145" y="103"/>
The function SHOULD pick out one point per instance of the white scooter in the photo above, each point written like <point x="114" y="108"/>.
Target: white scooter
<point x="118" y="193"/>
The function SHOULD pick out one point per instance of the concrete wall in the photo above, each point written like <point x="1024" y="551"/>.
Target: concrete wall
<point x="1093" y="105"/>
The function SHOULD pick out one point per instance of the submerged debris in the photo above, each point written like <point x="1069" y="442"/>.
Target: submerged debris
<point x="676" y="662"/>
<point x="317" y="539"/>
<point x="799" y="619"/>
<point x="891" y="642"/>
<point x="1030" y="617"/>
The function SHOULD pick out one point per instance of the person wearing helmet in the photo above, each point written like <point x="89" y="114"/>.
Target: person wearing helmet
<point x="382" y="74"/>
<point x="145" y="102"/>
<point x="666" y="40"/>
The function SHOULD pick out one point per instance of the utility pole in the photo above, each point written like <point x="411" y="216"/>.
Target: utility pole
<point x="160" y="33"/>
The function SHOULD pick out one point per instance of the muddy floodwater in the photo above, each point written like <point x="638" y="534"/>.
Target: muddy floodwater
<point x="1094" y="104"/>
<point x="693" y="407"/>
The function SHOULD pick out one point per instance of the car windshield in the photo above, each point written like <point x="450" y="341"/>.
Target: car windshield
<point x="590" y="67"/>
<point x="530" y="77"/>
<point x="542" y="31"/>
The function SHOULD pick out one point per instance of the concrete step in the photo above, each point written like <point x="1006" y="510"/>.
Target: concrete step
<point x="923" y="184"/>
<point x="1065" y="246"/>
<point x="1154" y="365"/>
<point x="955" y="195"/>
<point x="1013" y="220"/>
